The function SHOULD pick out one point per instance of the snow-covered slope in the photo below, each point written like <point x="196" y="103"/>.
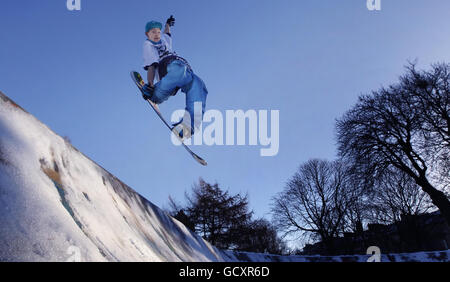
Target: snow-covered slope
<point x="56" y="204"/>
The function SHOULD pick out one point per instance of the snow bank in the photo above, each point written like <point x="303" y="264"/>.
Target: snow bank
<point x="57" y="205"/>
<point x="441" y="256"/>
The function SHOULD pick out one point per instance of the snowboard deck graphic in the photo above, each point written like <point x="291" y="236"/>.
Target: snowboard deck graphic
<point x="137" y="78"/>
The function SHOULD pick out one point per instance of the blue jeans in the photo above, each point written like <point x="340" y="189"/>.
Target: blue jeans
<point x="179" y="75"/>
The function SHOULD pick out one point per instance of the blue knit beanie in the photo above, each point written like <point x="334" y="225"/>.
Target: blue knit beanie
<point x="152" y="24"/>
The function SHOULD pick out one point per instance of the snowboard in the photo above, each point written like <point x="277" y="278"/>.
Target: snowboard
<point x="137" y="78"/>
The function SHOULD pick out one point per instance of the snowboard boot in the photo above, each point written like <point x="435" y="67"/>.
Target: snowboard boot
<point x="147" y="92"/>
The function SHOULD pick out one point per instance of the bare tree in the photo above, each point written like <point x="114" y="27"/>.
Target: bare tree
<point x="357" y="214"/>
<point x="399" y="201"/>
<point x="387" y="129"/>
<point x="359" y="195"/>
<point x="431" y="92"/>
<point x="315" y="200"/>
<point x="397" y="196"/>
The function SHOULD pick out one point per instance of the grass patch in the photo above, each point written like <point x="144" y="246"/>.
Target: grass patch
<point x="51" y="172"/>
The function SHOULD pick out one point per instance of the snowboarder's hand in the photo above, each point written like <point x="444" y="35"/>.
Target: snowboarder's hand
<point x="147" y="91"/>
<point x="171" y="21"/>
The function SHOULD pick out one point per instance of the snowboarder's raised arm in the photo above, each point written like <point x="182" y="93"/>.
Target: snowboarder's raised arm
<point x="170" y="22"/>
<point x="167" y="29"/>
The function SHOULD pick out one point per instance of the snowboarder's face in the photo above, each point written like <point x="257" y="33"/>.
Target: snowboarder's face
<point x="154" y="34"/>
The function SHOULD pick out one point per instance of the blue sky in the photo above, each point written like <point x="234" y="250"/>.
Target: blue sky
<point x="308" y="59"/>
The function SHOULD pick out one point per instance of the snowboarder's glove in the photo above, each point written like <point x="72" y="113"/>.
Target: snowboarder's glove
<point x="147" y="91"/>
<point x="171" y="21"/>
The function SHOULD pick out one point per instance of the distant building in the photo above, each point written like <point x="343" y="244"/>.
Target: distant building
<point x="413" y="233"/>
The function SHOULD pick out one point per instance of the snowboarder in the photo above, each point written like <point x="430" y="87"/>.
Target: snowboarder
<point x="172" y="73"/>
